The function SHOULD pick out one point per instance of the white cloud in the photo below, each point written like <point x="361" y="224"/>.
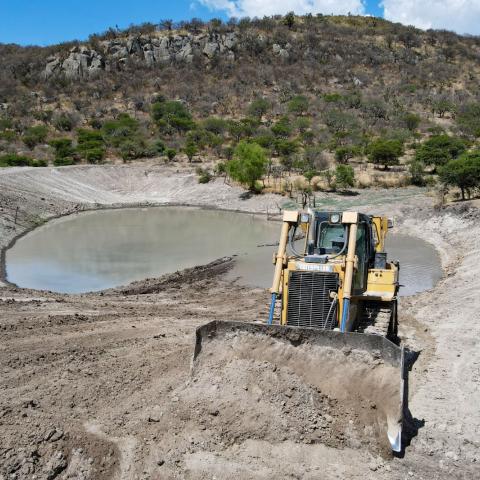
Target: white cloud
<point x="461" y="16"/>
<point x="259" y="8"/>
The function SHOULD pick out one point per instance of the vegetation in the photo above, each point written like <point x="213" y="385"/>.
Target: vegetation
<point x="385" y="152"/>
<point x="324" y="95"/>
<point x="344" y="177"/>
<point x="439" y="149"/>
<point x="463" y="172"/>
<point x="248" y="164"/>
<point x="64" y="151"/>
<point x="14" y="160"/>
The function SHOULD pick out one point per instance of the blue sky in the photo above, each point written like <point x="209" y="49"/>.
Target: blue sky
<point x="44" y="22"/>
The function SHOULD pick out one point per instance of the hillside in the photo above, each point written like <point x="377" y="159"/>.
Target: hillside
<point x="307" y="89"/>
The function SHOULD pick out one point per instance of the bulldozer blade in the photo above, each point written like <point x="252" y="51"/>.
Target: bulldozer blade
<point x="361" y="371"/>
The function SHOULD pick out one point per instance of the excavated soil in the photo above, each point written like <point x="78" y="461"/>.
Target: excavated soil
<point x="101" y="386"/>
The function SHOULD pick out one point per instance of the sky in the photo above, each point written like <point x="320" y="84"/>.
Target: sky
<point x="46" y="22"/>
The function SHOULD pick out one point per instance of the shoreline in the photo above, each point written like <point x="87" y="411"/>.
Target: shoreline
<point x="13" y="241"/>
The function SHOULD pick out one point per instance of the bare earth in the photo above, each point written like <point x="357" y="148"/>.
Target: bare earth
<point x="100" y="386"/>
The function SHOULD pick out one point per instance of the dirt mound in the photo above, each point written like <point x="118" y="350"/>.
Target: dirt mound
<point x="246" y="386"/>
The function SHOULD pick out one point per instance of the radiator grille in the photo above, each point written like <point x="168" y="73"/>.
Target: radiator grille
<point x="309" y="301"/>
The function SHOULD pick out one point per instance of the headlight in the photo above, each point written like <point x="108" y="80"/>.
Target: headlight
<point x="304" y="218"/>
<point x="335" y="218"/>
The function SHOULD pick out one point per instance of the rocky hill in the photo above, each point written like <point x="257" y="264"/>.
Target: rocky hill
<point x="314" y="81"/>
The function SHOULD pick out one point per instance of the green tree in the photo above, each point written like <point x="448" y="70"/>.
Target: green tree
<point x="298" y="105"/>
<point x="289" y="19"/>
<point x="462" y="172"/>
<point x="215" y="125"/>
<point x="439" y="149"/>
<point x="190" y="151"/>
<point x="172" y="116"/>
<point x="385" y="152"/>
<point x="259" y="107"/>
<point x="346" y="152"/>
<point x="248" y="165"/>
<point x="344" y="177"/>
<point x="282" y="128"/>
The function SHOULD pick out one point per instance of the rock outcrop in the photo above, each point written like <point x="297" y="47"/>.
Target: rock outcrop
<point x="83" y="62"/>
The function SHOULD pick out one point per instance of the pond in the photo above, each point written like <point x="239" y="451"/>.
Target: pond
<point x="106" y="248"/>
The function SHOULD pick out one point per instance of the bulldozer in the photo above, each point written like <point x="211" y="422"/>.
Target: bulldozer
<point x="333" y="314"/>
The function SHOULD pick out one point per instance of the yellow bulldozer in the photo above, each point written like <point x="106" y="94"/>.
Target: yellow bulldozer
<point x="337" y="322"/>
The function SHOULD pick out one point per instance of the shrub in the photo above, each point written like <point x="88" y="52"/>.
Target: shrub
<point x="385" y="152"/>
<point x="346" y="152"/>
<point x="411" y="121"/>
<point x="282" y="128"/>
<point x="122" y="128"/>
<point x="439" y="149"/>
<point x="190" y="151"/>
<point x="248" y="164"/>
<point x="298" y="104"/>
<point x="215" y="125"/>
<point x="132" y="149"/>
<point x="332" y="97"/>
<point x="344" y="176"/>
<point x="64" y="122"/>
<point x="35" y="135"/>
<point x="171" y="153"/>
<point x="64" y="151"/>
<point x="416" y="169"/>
<point x="172" y="116"/>
<point x="462" y="172"/>
<point x="258" y="108"/>
<point x="468" y="119"/>
<point x="14" y="160"/>
<point x="204" y="176"/>
<point x="285" y="147"/>
<point x="91" y="145"/>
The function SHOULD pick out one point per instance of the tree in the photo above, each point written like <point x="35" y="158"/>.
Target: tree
<point x="282" y="128"/>
<point x="462" y="172"/>
<point x="258" y="107"/>
<point x="385" y="152"/>
<point x="439" y="149"/>
<point x="344" y="176"/>
<point x="289" y="20"/>
<point x="298" y="104"/>
<point x="190" y="151"/>
<point x="346" y="152"/>
<point x="172" y="115"/>
<point x="248" y="165"/>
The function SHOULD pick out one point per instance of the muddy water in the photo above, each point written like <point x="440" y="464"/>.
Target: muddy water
<point x="102" y="249"/>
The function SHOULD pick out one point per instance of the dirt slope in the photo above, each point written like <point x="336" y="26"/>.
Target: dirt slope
<point x="99" y="386"/>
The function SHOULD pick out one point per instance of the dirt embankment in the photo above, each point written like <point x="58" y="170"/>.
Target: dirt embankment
<point x="99" y="386"/>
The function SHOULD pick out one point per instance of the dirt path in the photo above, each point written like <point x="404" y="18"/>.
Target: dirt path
<point x="93" y="386"/>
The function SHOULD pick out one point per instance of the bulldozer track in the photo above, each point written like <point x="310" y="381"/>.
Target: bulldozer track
<point x="376" y="319"/>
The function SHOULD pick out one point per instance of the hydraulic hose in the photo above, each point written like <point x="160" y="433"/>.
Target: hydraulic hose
<point x="272" y="308"/>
